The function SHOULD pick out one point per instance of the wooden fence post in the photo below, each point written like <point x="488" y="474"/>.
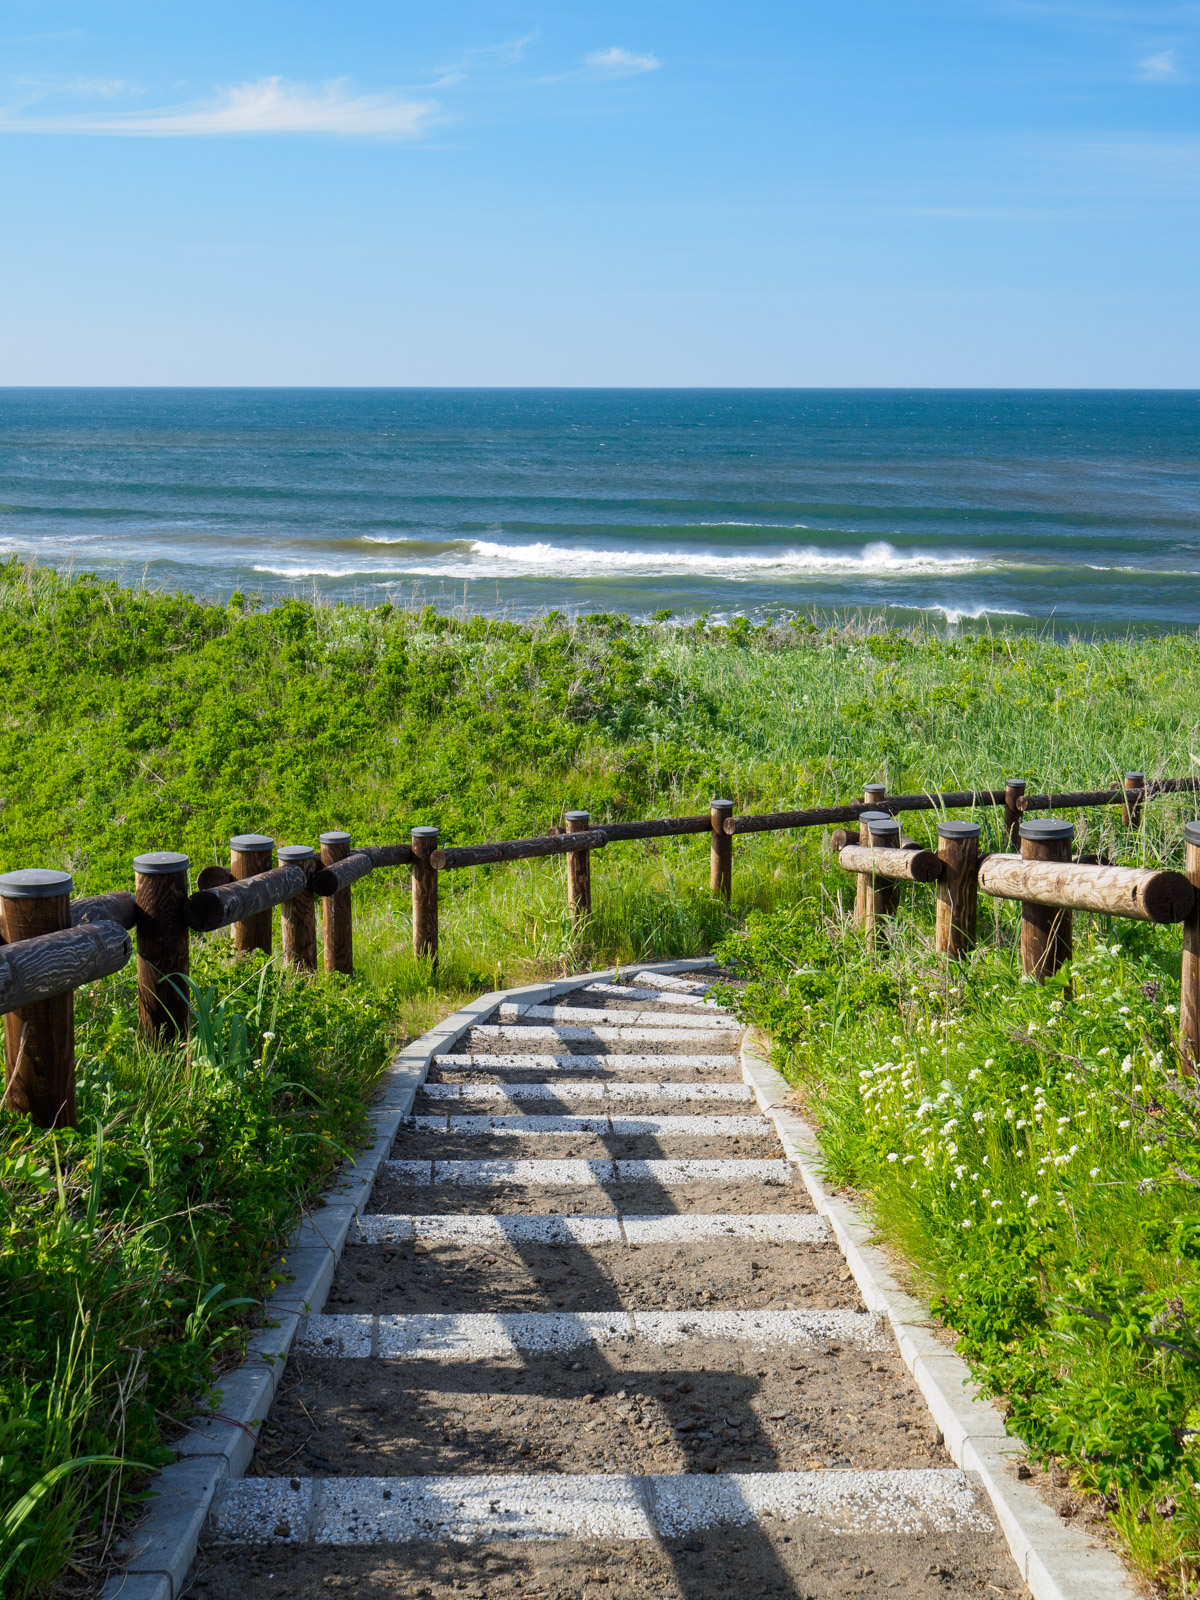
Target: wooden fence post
<point x="720" y="873"/>
<point x="298" y="916"/>
<point x="862" y="887"/>
<point x="579" y="870"/>
<point x="337" y="915"/>
<point x="958" y="890"/>
<point x="873" y="793"/>
<point x="1014" y="790"/>
<point x="425" y="894"/>
<point x="1189" y="989"/>
<point x="1046" y="931"/>
<point x="881" y="896"/>
<point x="250" y="854"/>
<point x="39" y="1040"/>
<point x="160" y="887"/>
<point x="1135" y="793"/>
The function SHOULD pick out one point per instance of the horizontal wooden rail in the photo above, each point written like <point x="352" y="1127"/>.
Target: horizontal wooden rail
<point x="388" y="855"/>
<point x="479" y="855"/>
<point x="119" y="907"/>
<point x="1147" y="896"/>
<point x="54" y="963"/>
<point x="826" y="816"/>
<point x="341" y="874"/>
<point x="210" y="909"/>
<point x="661" y="828"/>
<point x="909" y="866"/>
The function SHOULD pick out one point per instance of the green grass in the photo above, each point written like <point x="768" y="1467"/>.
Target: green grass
<point x="132" y="1258"/>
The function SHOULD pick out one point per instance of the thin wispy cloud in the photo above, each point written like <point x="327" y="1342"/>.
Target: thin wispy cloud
<point x="1162" y="67"/>
<point x="618" y="63"/>
<point x="266" y="106"/>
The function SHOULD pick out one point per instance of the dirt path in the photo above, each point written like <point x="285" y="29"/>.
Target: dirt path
<point x="592" y="1340"/>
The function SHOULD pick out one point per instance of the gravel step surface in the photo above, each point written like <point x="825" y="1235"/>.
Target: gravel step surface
<point x="560" y="1263"/>
<point x="590" y="1339"/>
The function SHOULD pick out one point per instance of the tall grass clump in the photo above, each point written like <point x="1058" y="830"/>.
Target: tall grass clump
<point x="136" y="1250"/>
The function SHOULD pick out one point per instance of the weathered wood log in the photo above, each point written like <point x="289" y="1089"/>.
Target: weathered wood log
<point x="1014" y="793"/>
<point x="1135" y="792"/>
<point x="579" y="869"/>
<point x="163" y="956"/>
<point x="1143" y="894"/>
<point x="720" y="852"/>
<point x="958" y="890"/>
<point x="1172" y="786"/>
<point x="661" y="828"/>
<point x="864" y="887"/>
<point x="479" y="855"/>
<point x="1078" y="799"/>
<point x="337" y="913"/>
<point x="119" y="907"/>
<point x="1047" y="933"/>
<point x="214" y="877"/>
<point x="1189" y="988"/>
<point x="388" y="855"/>
<point x="298" y="916"/>
<point x="249" y="857"/>
<point x="340" y="874"/>
<point x="48" y="965"/>
<point x="210" y="909"/>
<point x="894" y="863"/>
<point x="826" y="816"/>
<point x="425" y="893"/>
<point x="39" y="1022"/>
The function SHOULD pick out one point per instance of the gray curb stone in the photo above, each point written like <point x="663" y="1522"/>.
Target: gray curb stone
<point x="1057" y="1561"/>
<point x="219" y="1444"/>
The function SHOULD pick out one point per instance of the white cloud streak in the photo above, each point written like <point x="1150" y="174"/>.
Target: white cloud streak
<point x="618" y="63"/>
<point x="267" y="106"/>
<point x="1163" y="67"/>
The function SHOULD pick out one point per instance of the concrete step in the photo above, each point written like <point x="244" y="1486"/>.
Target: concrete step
<point x="566" y="1090"/>
<point x="491" y="1061"/>
<point x="619" y="1017"/>
<point x="575" y="1173"/>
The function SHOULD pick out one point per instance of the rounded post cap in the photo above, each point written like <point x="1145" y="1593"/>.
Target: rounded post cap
<point x="425" y="832"/>
<point x="34" y="883"/>
<point x="295" y="852"/>
<point x="871" y="790"/>
<point x="160" y="861"/>
<point x="1043" y="829"/>
<point x="576" y="816"/>
<point x="251" y="841"/>
<point x="883" y="827"/>
<point x="1015" y="783"/>
<point x="720" y="805"/>
<point x="958" y="830"/>
<point x="335" y="836"/>
<point x="1191" y="831"/>
<point x="1135" y="780"/>
<point x="875" y="816"/>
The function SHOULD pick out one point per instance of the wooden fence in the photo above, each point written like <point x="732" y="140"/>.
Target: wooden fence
<point x="51" y="944"/>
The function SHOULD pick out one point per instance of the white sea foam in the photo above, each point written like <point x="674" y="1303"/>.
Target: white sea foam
<point x="487" y="557"/>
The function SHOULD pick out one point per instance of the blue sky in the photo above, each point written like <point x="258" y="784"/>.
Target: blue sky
<point x="879" y="192"/>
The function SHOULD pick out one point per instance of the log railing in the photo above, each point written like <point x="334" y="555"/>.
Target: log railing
<point x="51" y="944"/>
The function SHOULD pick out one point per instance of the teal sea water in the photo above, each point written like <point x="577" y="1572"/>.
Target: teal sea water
<point x="1022" y="507"/>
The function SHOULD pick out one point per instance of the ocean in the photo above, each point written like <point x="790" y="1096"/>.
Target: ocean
<point x="1028" y="509"/>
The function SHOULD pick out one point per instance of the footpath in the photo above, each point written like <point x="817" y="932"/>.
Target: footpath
<point x="590" y="1337"/>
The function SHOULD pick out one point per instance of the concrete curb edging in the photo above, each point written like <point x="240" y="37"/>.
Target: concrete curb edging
<point x="1057" y="1561"/>
<point x="219" y="1444"/>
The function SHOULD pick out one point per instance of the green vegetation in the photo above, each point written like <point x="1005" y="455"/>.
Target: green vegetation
<point x="1035" y="1152"/>
<point x="134" y="1252"/>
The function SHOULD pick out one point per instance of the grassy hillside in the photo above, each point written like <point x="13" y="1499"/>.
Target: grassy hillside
<point x="133" y="1252"/>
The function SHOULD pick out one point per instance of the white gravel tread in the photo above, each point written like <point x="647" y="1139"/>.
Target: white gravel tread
<point x="689" y="1228"/>
<point x="373" y="1511"/>
<point x="488" y="1335"/>
<point x="487" y="1061"/>
<point x="619" y="1017"/>
<point x="525" y="1033"/>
